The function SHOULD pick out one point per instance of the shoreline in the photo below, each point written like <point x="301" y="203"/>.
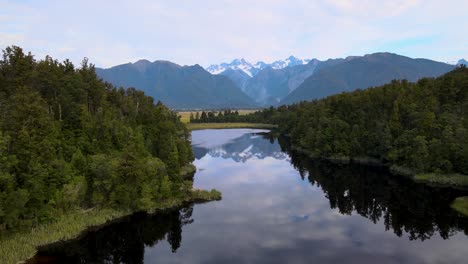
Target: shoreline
<point x="460" y="205"/>
<point x="201" y="126"/>
<point x="21" y="247"/>
<point x="454" y="180"/>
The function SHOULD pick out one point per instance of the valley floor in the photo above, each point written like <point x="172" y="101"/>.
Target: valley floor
<point x="185" y="115"/>
<point x="199" y="126"/>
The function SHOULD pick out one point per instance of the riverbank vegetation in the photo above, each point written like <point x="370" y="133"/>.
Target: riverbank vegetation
<point x="461" y="205"/>
<point x="69" y="142"/>
<point x="420" y="127"/>
<point x="23" y="245"/>
<point x="452" y="179"/>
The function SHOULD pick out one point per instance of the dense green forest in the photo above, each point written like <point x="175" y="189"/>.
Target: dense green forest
<point x="69" y="140"/>
<point x="420" y="127"/>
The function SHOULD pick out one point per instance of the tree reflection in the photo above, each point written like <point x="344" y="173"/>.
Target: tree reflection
<point x="122" y="242"/>
<point x="406" y="207"/>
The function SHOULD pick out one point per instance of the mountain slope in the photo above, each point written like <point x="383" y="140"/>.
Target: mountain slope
<point x="363" y="72"/>
<point x="178" y="86"/>
<point x="275" y="81"/>
<point x="270" y="85"/>
<point x="239" y="77"/>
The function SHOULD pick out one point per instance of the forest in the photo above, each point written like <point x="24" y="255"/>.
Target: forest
<point x="70" y="141"/>
<point x="225" y="116"/>
<point x="417" y="128"/>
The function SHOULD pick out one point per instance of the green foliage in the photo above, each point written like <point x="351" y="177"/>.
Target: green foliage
<point x="461" y="205"/>
<point x="443" y="179"/>
<point x="69" y="140"/>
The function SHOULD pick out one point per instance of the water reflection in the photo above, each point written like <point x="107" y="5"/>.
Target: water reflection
<point x="245" y="144"/>
<point x="122" y="242"/>
<point x="403" y="205"/>
<point x="281" y="207"/>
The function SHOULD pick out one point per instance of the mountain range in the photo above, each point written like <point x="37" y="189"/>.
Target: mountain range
<point x="364" y="72"/>
<point x="241" y="84"/>
<point x="179" y="87"/>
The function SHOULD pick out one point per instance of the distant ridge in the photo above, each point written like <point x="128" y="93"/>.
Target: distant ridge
<point x="363" y="72"/>
<point x="241" y="84"/>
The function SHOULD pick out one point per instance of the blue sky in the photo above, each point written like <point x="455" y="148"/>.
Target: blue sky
<point x="206" y="32"/>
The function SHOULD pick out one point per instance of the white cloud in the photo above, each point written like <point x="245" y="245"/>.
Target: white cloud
<point x="189" y="32"/>
<point x="6" y="39"/>
<point x="372" y="8"/>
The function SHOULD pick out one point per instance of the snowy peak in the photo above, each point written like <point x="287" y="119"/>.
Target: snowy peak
<point x="289" y="62"/>
<point x="237" y="64"/>
<point x="462" y="61"/>
<point x="252" y="69"/>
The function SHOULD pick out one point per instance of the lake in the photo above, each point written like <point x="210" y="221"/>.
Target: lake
<point x="282" y="207"/>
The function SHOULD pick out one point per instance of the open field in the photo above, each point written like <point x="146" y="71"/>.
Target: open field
<point x="199" y="126"/>
<point x="185" y="115"/>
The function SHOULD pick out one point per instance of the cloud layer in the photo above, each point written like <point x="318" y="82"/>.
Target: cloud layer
<point x="204" y="32"/>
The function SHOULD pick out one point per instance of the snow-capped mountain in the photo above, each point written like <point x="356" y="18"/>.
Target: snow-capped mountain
<point x="237" y="64"/>
<point x="462" y="61"/>
<point x="252" y="69"/>
<point x="291" y="61"/>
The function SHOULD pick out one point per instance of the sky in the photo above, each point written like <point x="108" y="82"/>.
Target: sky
<point x="208" y="32"/>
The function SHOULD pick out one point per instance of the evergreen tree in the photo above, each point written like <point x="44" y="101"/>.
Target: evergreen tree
<point x="69" y="140"/>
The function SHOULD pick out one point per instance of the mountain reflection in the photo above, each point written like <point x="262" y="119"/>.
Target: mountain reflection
<point x="403" y="205"/>
<point x="243" y="148"/>
<point x="121" y="242"/>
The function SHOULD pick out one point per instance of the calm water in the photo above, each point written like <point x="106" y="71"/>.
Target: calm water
<point x="280" y="207"/>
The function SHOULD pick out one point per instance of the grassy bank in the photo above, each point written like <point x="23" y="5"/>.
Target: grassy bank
<point x="22" y="246"/>
<point x="443" y="179"/>
<point x="453" y="180"/>
<point x="461" y="205"/>
<point x="340" y="158"/>
<point x="199" y="126"/>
